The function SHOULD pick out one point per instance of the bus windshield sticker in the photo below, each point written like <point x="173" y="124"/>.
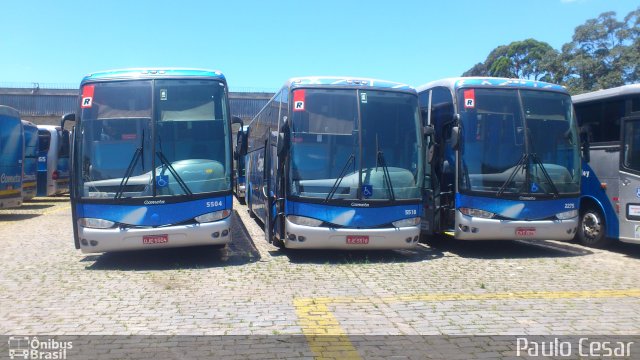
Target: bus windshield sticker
<point x="87" y="96"/>
<point x="298" y="100"/>
<point x="163" y="94"/>
<point x="162" y="180"/>
<point x="534" y="187"/>
<point x="367" y="191"/>
<point x="363" y="97"/>
<point x="469" y="99"/>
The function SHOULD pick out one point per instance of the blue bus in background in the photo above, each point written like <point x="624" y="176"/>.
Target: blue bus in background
<point x="239" y="152"/>
<point x="337" y="162"/>
<point x="610" y="203"/>
<point x="152" y="160"/>
<point x="53" y="160"/>
<point x="504" y="159"/>
<point x="30" y="162"/>
<point x="11" y="156"/>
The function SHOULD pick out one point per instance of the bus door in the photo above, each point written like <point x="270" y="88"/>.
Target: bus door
<point x="629" y="196"/>
<point x="270" y="184"/>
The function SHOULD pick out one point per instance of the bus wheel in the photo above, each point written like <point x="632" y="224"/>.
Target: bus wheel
<point x="591" y="229"/>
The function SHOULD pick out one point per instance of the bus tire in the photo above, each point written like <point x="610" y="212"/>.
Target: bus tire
<point x="592" y="228"/>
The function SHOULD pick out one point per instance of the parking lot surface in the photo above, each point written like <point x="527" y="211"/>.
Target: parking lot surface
<point x="254" y="288"/>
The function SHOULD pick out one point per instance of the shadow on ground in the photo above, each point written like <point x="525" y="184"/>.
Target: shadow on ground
<point x="239" y="252"/>
<point x="503" y="249"/>
<point x="627" y="249"/>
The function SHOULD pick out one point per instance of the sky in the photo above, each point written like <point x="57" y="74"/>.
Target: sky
<point x="258" y="45"/>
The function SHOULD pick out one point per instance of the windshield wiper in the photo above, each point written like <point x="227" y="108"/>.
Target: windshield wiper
<point x="336" y="184"/>
<point x="537" y="161"/>
<point x="128" y="172"/>
<point x="521" y="163"/>
<point x="385" y="170"/>
<point x="173" y="172"/>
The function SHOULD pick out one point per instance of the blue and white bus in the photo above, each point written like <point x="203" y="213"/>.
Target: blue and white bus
<point x="152" y="162"/>
<point x="505" y="159"/>
<point x="30" y="161"/>
<point x="337" y="162"/>
<point x="11" y="156"/>
<point x="239" y="152"/>
<point x="610" y="203"/>
<point x="53" y="160"/>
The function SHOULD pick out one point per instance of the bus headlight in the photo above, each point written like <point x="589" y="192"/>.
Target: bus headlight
<point x="94" y="223"/>
<point x="304" y="221"/>
<point x="567" y="215"/>
<point x="213" y="216"/>
<point x="477" y="213"/>
<point x="407" y="222"/>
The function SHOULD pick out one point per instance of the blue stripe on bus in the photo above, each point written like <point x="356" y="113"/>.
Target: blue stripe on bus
<point x="517" y="209"/>
<point x="591" y="188"/>
<point x="154" y="215"/>
<point x="499" y="82"/>
<point x="148" y="73"/>
<point x="354" y="216"/>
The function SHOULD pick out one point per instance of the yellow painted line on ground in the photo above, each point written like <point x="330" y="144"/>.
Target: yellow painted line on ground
<point x="328" y="340"/>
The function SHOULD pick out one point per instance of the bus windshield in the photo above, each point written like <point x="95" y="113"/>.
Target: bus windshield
<point x="518" y="142"/>
<point x="154" y="138"/>
<point x="355" y="145"/>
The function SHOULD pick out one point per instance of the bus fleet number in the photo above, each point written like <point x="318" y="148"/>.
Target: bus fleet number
<point x="214" y="204"/>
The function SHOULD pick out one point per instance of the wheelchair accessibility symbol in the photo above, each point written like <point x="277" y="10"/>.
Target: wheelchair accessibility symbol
<point x="367" y="191"/>
<point x="162" y="180"/>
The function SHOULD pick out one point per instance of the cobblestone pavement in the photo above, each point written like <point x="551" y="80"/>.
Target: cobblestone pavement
<point x="253" y="288"/>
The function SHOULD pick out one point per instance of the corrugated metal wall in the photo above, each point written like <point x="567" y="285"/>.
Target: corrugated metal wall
<point x="40" y="105"/>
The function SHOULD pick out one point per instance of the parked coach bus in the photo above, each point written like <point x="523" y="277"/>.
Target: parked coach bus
<point x="53" y="160"/>
<point x="239" y="152"/>
<point x="11" y="156"/>
<point x="151" y="160"/>
<point x="30" y="161"/>
<point x="338" y="163"/>
<point x="610" y="203"/>
<point x="505" y="161"/>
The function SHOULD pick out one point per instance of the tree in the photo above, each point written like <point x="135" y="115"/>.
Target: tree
<point x="527" y="59"/>
<point x="603" y="53"/>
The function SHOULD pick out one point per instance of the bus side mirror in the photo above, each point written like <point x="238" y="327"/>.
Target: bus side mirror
<point x="283" y="137"/>
<point x="428" y="131"/>
<point x="455" y="137"/>
<point x="236" y="120"/>
<point x="584" y="141"/>
<point x="67" y="117"/>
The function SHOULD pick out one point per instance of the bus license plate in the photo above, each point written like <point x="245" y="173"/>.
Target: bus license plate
<point x="525" y="231"/>
<point x="357" y="239"/>
<point x="155" y="239"/>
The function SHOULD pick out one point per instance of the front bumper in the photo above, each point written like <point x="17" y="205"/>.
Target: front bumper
<point x="105" y="240"/>
<point x="332" y="238"/>
<point x="475" y="228"/>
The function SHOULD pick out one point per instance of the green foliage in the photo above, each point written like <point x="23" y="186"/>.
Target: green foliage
<point x="603" y="53"/>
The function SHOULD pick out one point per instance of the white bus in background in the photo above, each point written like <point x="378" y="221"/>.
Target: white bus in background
<point x="53" y="160"/>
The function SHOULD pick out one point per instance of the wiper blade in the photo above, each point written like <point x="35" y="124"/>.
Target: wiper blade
<point x="523" y="160"/>
<point x="336" y="184"/>
<point x="387" y="177"/>
<point x="173" y="172"/>
<point x="537" y="161"/>
<point x="128" y="172"/>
